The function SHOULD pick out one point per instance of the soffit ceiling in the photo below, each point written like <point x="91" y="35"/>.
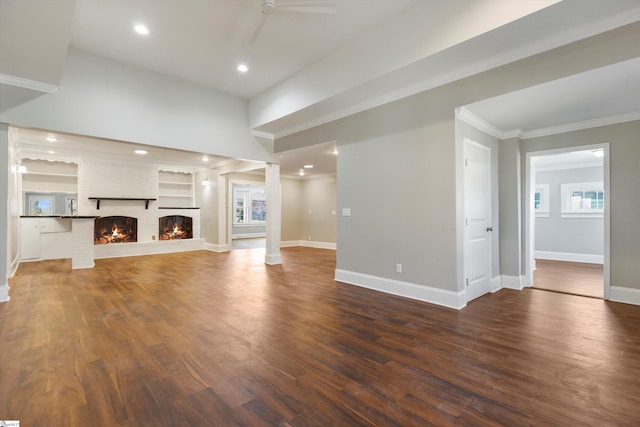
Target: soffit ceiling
<point x="608" y="92"/>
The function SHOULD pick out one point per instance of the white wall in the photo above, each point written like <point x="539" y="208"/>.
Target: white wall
<point x="103" y="98"/>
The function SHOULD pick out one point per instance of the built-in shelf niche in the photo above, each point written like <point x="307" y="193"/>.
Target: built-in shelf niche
<point x="49" y="187"/>
<point x="175" y="189"/>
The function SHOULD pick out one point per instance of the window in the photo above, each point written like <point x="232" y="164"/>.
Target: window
<point x="541" y="200"/>
<point x="583" y="200"/>
<point x="249" y="204"/>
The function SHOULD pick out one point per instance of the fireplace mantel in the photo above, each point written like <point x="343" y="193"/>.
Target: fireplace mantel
<point x="145" y="200"/>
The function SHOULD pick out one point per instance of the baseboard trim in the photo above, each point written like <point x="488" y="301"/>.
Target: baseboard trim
<point x="567" y="256"/>
<point x="291" y="243"/>
<point x="4" y="293"/>
<point x="308" y="244"/>
<point x="248" y="235"/>
<point x="624" y="295"/>
<point x="217" y="248"/>
<point x="496" y="284"/>
<point x="456" y="300"/>
<point x="272" y="259"/>
<point x="513" y="282"/>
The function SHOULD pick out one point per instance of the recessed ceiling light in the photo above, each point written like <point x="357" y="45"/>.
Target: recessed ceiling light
<point x="51" y="138"/>
<point x="301" y="173"/>
<point x="243" y="68"/>
<point x="141" y="29"/>
<point x="52" y="152"/>
<point x="334" y="151"/>
<point x="308" y="166"/>
<point x="205" y="158"/>
<point x="141" y="152"/>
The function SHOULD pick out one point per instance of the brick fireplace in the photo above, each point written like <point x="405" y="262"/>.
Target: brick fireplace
<point x="115" y="229"/>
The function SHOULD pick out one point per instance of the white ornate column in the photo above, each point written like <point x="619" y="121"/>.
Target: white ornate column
<point x="274" y="213"/>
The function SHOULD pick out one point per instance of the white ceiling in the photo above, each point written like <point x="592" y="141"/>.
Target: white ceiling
<point x="203" y="40"/>
<point x="33" y="144"/>
<point x="605" y="92"/>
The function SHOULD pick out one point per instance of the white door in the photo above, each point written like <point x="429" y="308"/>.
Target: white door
<point x="477" y="209"/>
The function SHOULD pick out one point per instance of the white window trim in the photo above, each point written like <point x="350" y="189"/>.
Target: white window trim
<point x="543" y="212"/>
<point x="247" y="187"/>
<point x="567" y="189"/>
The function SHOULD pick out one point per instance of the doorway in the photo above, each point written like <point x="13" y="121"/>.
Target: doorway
<point x="567" y="226"/>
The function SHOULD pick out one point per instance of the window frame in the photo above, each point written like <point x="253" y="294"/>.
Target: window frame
<point x="543" y="210"/>
<point x="568" y="211"/>
<point x="249" y="190"/>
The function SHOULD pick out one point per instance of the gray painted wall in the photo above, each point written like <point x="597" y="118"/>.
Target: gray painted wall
<point x="570" y="235"/>
<point x="319" y="209"/>
<point x="624" y="140"/>
<point x="397" y="169"/>
<point x="511" y="246"/>
<point x="291" y="209"/>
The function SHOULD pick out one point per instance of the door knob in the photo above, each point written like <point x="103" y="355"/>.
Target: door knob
<point x="489" y="228"/>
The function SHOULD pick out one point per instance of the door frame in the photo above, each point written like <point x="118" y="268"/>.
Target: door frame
<point x="529" y="217"/>
<point x="466" y="261"/>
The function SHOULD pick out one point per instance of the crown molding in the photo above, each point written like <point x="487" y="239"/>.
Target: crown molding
<point x="472" y="120"/>
<point x="27" y="84"/>
<point x="587" y="124"/>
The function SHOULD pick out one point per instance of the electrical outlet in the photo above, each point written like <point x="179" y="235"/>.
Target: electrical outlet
<point x="398" y="268"/>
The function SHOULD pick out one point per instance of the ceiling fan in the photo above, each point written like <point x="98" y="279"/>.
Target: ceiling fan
<point x="269" y="7"/>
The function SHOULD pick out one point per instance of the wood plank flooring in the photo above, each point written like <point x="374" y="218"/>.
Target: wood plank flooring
<point x="569" y="277"/>
<point x="221" y="339"/>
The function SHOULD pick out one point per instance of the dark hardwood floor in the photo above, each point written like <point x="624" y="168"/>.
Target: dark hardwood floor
<point x="569" y="277"/>
<point x="221" y="339"/>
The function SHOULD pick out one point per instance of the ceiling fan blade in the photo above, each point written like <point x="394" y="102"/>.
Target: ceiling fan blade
<point x="308" y="9"/>
<point x="258" y="30"/>
<point x="317" y="6"/>
<point x="311" y="3"/>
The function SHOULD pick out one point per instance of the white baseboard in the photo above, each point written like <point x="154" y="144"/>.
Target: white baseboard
<point x="429" y="294"/>
<point x="147" y="248"/>
<point x="624" y="295"/>
<point x="217" y="248"/>
<point x="513" y="282"/>
<point x="567" y="256"/>
<point x="248" y="235"/>
<point x="308" y="244"/>
<point x="290" y="243"/>
<point x="496" y="284"/>
<point x="4" y="293"/>
<point x="272" y="259"/>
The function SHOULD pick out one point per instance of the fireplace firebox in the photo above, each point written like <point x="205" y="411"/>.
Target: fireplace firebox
<point x="174" y="227"/>
<point x="115" y="229"/>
